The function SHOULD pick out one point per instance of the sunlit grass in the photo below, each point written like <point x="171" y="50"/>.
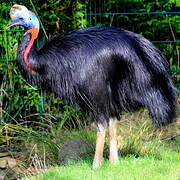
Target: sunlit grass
<point x="145" y="153"/>
<point x="129" y="167"/>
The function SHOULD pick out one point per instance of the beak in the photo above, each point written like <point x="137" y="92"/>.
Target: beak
<point x="14" y="23"/>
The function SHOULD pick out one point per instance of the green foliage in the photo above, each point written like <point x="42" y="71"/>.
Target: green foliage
<point x="155" y="27"/>
<point x="16" y="104"/>
<point x="61" y="15"/>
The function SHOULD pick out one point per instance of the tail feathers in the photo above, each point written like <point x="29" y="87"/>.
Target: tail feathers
<point x="161" y="100"/>
<point x="162" y="116"/>
<point x="176" y="91"/>
<point x="163" y="105"/>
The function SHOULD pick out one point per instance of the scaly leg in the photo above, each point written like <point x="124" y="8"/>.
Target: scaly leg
<point x="98" y="157"/>
<point x="113" y="149"/>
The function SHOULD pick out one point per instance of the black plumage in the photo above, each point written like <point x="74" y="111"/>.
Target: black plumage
<point x="105" y="71"/>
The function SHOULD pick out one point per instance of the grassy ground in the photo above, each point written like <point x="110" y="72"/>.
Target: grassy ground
<point x="145" y="154"/>
<point x="129" y="168"/>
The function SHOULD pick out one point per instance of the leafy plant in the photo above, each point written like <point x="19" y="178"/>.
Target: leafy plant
<point x="61" y="15"/>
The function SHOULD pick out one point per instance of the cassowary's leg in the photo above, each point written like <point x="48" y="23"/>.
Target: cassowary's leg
<point x="113" y="149"/>
<point x="98" y="157"/>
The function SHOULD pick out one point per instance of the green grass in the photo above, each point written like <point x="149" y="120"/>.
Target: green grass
<point x="129" y="168"/>
<point x="145" y="155"/>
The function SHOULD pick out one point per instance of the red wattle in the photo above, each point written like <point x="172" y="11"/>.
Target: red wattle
<point x="34" y="34"/>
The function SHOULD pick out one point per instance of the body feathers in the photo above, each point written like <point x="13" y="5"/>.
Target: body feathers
<point x="105" y="71"/>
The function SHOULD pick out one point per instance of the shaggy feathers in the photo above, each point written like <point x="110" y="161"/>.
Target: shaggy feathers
<point x="104" y="70"/>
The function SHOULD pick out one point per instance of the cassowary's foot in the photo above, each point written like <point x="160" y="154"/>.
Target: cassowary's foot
<point x="114" y="159"/>
<point x="96" y="164"/>
<point x="113" y="149"/>
<point x="113" y="153"/>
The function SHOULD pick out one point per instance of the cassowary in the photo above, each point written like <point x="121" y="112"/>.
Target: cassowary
<point x="103" y="70"/>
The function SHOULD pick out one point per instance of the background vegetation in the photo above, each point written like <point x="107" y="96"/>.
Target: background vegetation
<point x="41" y="123"/>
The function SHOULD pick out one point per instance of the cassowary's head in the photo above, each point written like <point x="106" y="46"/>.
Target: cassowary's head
<point x="20" y="15"/>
